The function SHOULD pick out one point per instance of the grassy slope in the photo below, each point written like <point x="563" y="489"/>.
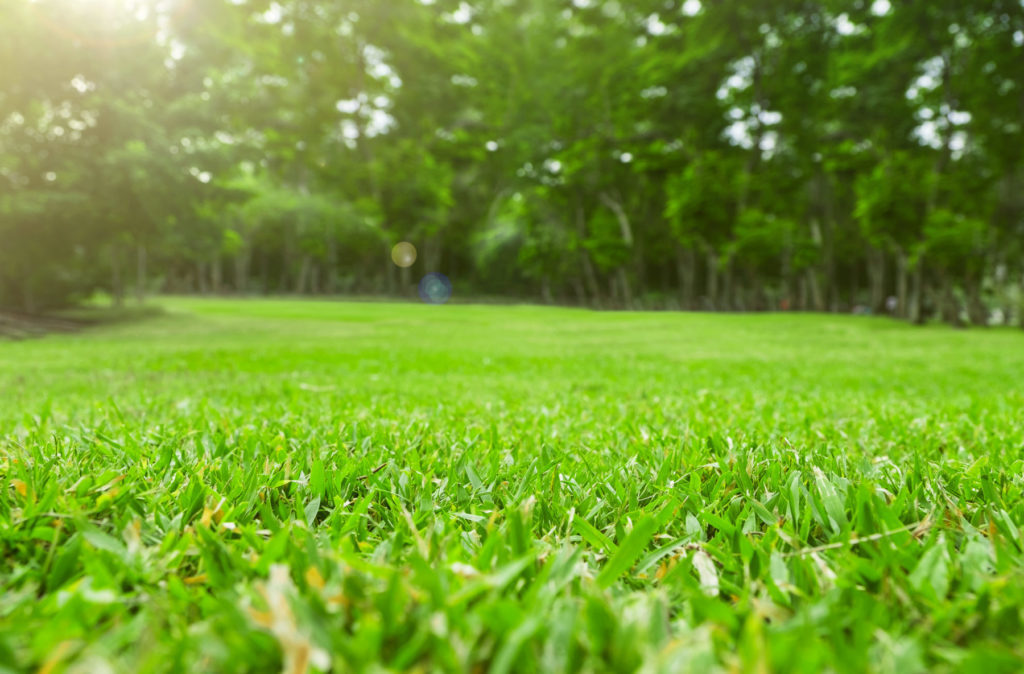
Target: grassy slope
<point x="511" y="488"/>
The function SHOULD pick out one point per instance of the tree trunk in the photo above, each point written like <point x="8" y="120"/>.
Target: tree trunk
<point x="613" y="291"/>
<point x="265" y="272"/>
<point x="950" y="309"/>
<point x="300" y="280"/>
<point x="589" y="275"/>
<point x="201" y="277"/>
<point x="405" y="281"/>
<point x="626" y="230"/>
<point x="1020" y="303"/>
<point x="242" y="260"/>
<point x="831" y="283"/>
<point x="392" y="273"/>
<point x="876" y="274"/>
<point x="116" y="285"/>
<point x="917" y="293"/>
<point x="817" y="300"/>
<point x="686" y="266"/>
<point x="976" y="310"/>
<point x="314" y="279"/>
<point x="216" y="275"/>
<point x="728" y="301"/>
<point x="545" y="291"/>
<point x="625" y="288"/>
<point x="28" y="298"/>
<point x="620" y="215"/>
<point x="140" y="274"/>
<point x="581" y="293"/>
<point x="590" y="278"/>
<point x="432" y="254"/>
<point x="786" y="274"/>
<point x="902" y="295"/>
<point x="331" y="266"/>
<point x="285" y="282"/>
<point x="740" y="299"/>
<point x="712" y="280"/>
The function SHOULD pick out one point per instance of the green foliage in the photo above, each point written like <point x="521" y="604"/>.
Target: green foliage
<point x="701" y="201"/>
<point x="251" y="486"/>
<point x="954" y="241"/>
<point x="891" y="201"/>
<point x="712" y="152"/>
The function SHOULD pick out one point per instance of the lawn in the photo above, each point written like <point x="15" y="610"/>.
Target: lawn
<point x="303" y="485"/>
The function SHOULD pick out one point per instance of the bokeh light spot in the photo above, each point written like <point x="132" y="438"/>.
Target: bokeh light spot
<point x="435" y="288"/>
<point x="403" y="254"/>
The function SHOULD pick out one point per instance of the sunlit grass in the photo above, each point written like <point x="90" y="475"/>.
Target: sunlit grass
<point x="246" y="485"/>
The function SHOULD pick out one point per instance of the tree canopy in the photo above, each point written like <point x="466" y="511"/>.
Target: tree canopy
<point x="728" y="155"/>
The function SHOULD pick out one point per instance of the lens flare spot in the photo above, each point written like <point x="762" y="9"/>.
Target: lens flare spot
<point x="403" y="254"/>
<point x="435" y="288"/>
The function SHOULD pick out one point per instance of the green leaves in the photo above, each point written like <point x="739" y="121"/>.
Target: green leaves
<point x="628" y="551"/>
<point x="931" y="576"/>
<point x="593" y="536"/>
<point x="102" y="541"/>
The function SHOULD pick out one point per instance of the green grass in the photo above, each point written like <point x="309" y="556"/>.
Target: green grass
<point x="258" y="485"/>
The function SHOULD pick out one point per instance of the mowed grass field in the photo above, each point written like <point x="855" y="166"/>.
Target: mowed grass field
<point x="309" y="486"/>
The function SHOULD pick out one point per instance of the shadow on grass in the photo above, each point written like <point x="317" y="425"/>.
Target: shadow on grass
<point x="14" y="325"/>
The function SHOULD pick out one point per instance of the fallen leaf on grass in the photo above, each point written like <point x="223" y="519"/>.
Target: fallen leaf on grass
<point x="299" y="651"/>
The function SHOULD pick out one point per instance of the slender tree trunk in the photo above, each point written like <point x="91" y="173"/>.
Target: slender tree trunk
<point x="331" y="266"/>
<point x="976" y="309"/>
<point x="581" y="293"/>
<point x="620" y="215"/>
<point x="545" y="291"/>
<point x="590" y="279"/>
<point x="140" y="274"/>
<point x="917" y="293"/>
<point x="314" y="279"/>
<point x="201" y="277"/>
<point x="950" y="309"/>
<point x="831" y="283"/>
<point x="712" y="279"/>
<point x="624" y="287"/>
<point x="432" y="254"/>
<point x="116" y="285"/>
<point x="686" y="266"/>
<point x="216" y="275"/>
<point x="242" y="261"/>
<point x="816" y="298"/>
<point x="265" y="272"/>
<point x="1004" y="286"/>
<point x="901" y="284"/>
<point x="728" y="301"/>
<point x="300" y="280"/>
<point x="391" y="276"/>
<point x="640" y="271"/>
<point x="740" y="303"/>
<point x="626" y="230"/>
<point x="28" y="298"/>
<point x="288" y="263"/>
<point x="786" y="274"/>
<point x="405" y="281"/>
<point x="589" y="275"/>
<point x="876" y="274"/>
<point x="1020" y="303"/>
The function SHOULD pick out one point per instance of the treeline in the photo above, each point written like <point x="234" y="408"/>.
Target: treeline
<point x="729" y="155"/>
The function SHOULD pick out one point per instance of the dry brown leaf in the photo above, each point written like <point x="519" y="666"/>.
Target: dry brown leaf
<point x="298" y="650"/>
